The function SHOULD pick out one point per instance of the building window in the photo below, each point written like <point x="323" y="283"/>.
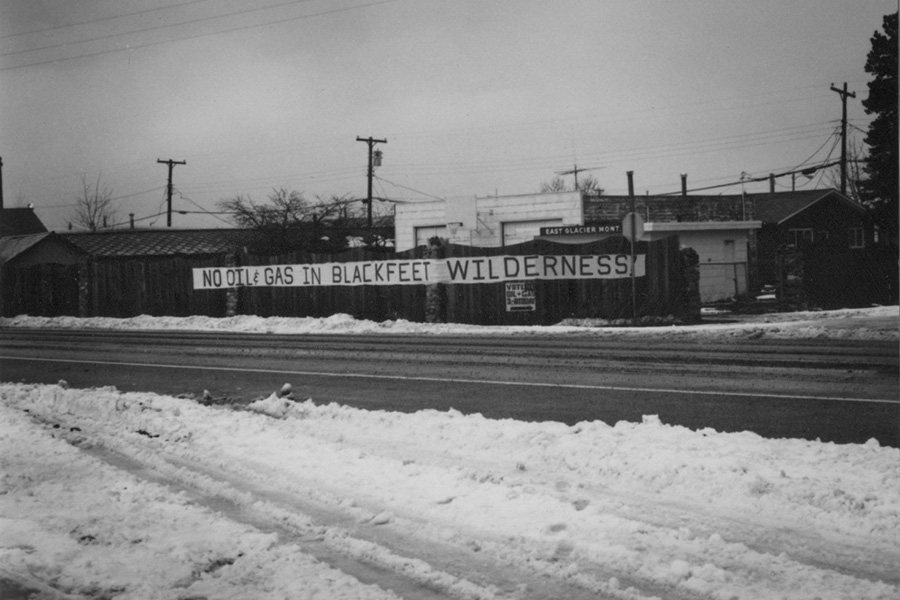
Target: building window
<point x="857" y="237"/>
<point x="423" y="234"/>
<point x="801" y="237"/>
<point x="822" y="235"/>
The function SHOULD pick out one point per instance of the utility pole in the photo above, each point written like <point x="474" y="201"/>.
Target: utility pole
<point x="575" y="171"/>
<point x="1" y="182"/>
<point x="371" y="173"/>
<point x="634" y="236"/>
<point x="843" y="94"/>
<point x="171" y="164"/>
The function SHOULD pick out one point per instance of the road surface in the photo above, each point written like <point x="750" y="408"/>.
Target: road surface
<point x="841" y="391"/>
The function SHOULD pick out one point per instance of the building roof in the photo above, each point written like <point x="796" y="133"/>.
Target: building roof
<point x="15" y="245"/>
<point x="20" y="221"/>
<point x="780" y="206"/>
<point x="166" y="242"/>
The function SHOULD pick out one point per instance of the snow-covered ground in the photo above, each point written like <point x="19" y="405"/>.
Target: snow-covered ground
<point x="106" y="494"/>
<point x="866" y="323"/>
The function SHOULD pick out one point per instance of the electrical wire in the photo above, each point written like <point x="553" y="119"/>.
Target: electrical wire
<point x="199" y="35"/>
<point x="408" y="188"/>
<point x="215" y="215"/>
<point x="154" y="28"/>
<point x="102" y="20"/>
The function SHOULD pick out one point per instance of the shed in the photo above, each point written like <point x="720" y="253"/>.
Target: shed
<point x="39" y="248"/>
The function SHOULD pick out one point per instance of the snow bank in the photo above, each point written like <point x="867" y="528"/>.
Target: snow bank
<point x="869" y="323"/>
<point x="633" y="510"/>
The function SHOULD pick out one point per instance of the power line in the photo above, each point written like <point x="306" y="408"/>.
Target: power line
<point x="806" y="131"/>
<point x="214" y="214"/>
<point x="102" y="20"/>
<point x="200" y="35"/>
<point x="754" y="179"/>
<point x="833" y="135"/>
<point x="47" y="206"/>
<point x="408" y="188"/>
<point x="663" y="109"/>
<point x="154" y="28"/>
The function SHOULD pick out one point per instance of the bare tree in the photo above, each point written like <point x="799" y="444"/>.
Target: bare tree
<point x="587" y="183"/>
<point x="94" y="208"/>
<point x="284" y="209"/>
<point x="557" y="184"/>
<point x="856" y="175"/>
<point x="290" y="220"/>
<point x="288" y="209"/>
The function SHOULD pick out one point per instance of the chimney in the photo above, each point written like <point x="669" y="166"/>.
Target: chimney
<point x="684" y="184"/>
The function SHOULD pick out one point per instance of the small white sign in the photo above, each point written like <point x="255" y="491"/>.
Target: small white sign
<point x="633" y="227"/>
<point x="520" y="296"/>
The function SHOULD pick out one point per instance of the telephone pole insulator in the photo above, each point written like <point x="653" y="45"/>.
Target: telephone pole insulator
<point x="371" y="173"/>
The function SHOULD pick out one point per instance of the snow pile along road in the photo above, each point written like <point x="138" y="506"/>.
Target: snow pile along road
<point x="114" y="495"/>
<point x="878" y="323"/>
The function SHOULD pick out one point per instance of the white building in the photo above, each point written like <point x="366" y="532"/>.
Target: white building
<point x="495" y="221"/>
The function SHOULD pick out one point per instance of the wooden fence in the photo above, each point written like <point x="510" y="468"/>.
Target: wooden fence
<point x="659" y="293"/>
<point x="164" y="286"/>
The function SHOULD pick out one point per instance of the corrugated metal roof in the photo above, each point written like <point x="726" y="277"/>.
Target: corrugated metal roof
<point x="163" y="242"/>
<point x="193" y="242"/>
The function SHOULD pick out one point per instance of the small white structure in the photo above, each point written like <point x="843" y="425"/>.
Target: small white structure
<point x="496" y="221"/>
<point x="722" y="248"/>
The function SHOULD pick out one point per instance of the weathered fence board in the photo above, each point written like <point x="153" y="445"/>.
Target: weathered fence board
<point x="657" y="293"/>
<point x="164" y="286"/>
<point x="49" y="290"/>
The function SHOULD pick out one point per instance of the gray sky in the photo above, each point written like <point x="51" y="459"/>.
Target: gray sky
<point x="473" y="96"/>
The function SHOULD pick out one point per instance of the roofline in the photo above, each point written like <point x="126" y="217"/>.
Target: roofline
<point x="827" y="193"/>
<point x="661" y="226"/>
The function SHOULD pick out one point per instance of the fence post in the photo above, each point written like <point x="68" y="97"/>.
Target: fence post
<point x="231" y="294"/>
<point x="435" y="294"/>
<point x="84" y="290"/>
<point x="690" y="304"/>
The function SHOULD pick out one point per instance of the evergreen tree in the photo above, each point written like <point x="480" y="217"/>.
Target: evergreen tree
<point x="880" y="189"/>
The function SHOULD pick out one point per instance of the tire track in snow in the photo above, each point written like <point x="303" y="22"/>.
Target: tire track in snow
<point x="368" y="551"/>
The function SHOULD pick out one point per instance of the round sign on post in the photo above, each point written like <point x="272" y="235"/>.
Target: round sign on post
<point x="635" y="233"/>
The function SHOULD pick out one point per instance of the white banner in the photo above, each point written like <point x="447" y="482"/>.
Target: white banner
<point x="464" y="270"/>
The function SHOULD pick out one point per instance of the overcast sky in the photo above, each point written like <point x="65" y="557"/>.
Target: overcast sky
<point x="473" y="96"/>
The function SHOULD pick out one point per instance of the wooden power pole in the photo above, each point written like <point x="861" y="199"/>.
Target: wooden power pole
<point x="844" y="94"/>
<point x="171" y="164"/>
<point x="371" y="173"/>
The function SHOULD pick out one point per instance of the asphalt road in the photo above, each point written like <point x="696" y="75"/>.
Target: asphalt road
<point x="841" y="391"/>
